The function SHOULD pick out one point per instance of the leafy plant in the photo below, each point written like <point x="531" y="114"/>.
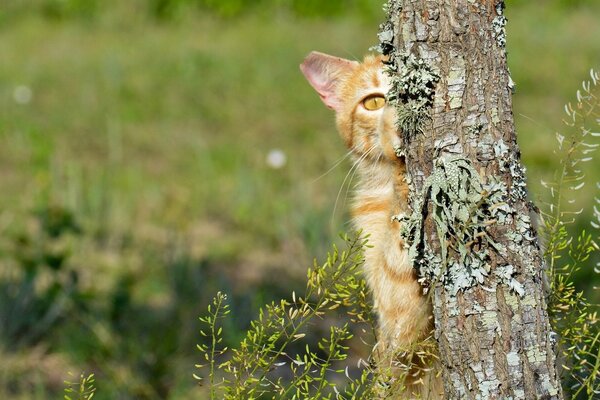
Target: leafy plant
<point x="84" y="389"/>
<point x="218" y="310"/>
<point x="262" y="364"/>
<point x="573" y="317"/>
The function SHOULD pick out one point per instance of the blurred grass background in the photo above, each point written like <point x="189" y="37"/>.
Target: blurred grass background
<point x="134" y="163"/>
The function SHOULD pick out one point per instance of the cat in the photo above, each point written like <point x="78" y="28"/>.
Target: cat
<point x="367" y="124"/>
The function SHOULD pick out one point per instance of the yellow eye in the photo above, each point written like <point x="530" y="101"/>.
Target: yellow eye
<point x="374" y="102"/>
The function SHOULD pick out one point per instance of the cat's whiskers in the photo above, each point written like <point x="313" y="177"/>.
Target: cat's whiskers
<point x="373" y="147"/>
<point x="379" y="157"/>
<point x="351" y="174"/>
<point x="336" y="164"/>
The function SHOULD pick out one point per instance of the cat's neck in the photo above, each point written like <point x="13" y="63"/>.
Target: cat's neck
<point x="375" y="176"/>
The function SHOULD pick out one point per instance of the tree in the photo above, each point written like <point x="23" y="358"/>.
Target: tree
<point x="470" y="232"/>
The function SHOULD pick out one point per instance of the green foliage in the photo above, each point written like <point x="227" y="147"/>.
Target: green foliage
<point x="84" y="389"/>
<point x="573" y="317"/>
<point x="230" y="8"/>
<point x="166" y="9"/>
<point x="70" y="8"/>
<point x="216" y="311"/>
<point x="42" y="287"/>
<point x="260" y="365"/>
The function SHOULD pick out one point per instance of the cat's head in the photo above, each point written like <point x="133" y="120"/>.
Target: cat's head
<point x="356" y="92"/>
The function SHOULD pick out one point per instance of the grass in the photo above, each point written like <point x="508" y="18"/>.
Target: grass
<point x="155" y="137"/>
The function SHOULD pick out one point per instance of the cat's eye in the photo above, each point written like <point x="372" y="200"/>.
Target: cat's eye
<point x="374" y="102"/>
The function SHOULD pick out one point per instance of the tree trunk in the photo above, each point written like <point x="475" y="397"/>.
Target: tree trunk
<point x="470" y="233"/>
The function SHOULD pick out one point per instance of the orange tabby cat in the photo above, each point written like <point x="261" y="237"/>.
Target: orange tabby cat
<point x="356" y="92"/>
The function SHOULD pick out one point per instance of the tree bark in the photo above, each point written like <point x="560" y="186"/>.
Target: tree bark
<point x="470" y="234"/>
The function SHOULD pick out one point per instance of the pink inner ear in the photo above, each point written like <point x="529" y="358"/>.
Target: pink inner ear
<point x="323" y="72"/>
<point x="325" y="89"/>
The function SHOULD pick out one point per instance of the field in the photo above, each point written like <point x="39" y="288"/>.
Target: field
<point x="136" y="178"/>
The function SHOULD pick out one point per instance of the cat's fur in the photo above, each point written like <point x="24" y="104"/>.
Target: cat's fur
<point x="371" y="135"/>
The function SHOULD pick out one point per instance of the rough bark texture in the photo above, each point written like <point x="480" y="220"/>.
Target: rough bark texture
<point x="471" y="234"/>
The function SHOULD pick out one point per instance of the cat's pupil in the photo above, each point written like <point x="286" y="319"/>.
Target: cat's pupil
<point x="373" y="103"/>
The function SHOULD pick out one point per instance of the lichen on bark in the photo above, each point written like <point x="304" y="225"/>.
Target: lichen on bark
<point x="462" y="208"/>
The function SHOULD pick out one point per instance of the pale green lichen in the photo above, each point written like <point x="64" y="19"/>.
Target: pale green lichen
<point x="513" y="359"/>
<point x="512" y="301"/>
<point x="535" y="354"/>
<point x="528" y="301"/>
<point x="488" y="319"/>
<point x="462" y="209"/>
<point x="549" y="387"/>
<point x="412" y="91"/>
<point x="486" y="388"/>
<point x="506" y="274"/>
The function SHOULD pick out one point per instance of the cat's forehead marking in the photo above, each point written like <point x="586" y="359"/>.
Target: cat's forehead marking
<point x="374" y="81"/>
<point x="377" y="80"/>
<point x="375" y="75"/>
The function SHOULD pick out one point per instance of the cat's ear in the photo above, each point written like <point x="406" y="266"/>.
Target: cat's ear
<point x="324" y="72"/>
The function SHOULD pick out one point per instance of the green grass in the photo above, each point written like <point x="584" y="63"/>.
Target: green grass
<point x="155" y="135"/>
